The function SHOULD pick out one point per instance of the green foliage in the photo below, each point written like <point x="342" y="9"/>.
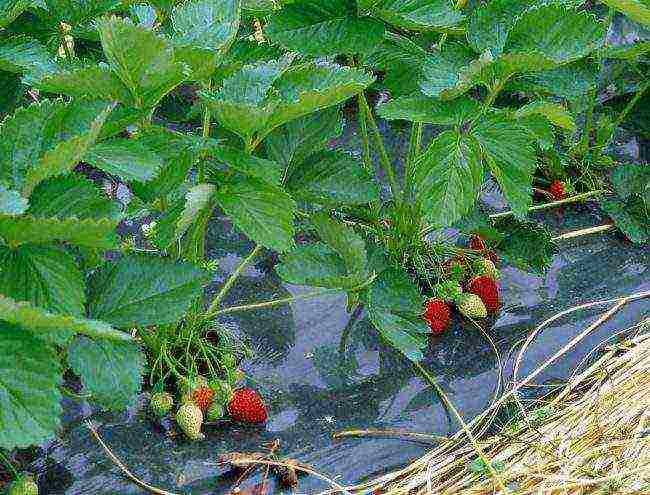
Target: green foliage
<point x="272" y="84"/>
<point x="30" y="400"/>
<point x="110" y="371"/>
<point x="144" y="290"/>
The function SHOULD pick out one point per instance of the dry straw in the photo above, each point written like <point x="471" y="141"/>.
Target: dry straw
<point x="593" y="437"/>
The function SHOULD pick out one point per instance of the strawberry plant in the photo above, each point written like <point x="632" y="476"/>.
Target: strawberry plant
<point x="160" y="113"/>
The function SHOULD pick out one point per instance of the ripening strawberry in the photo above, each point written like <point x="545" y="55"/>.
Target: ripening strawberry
<point x="190" y="419"/>
<point x="437" y="315"/>
<point x="246" y="406"/>
<point x="161" y="403"/>
<point x="203" y="397"/>
<point x="477" y="243"/>
<point x="23" y="486"/>
<point x="557" y="190"/>
<point x="488" y="290"/>
<point x="484" y="266"/>
<point x="471" y="306"/>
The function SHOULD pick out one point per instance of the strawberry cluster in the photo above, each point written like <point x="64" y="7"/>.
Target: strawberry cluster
<point x="471" y="288"/>
<point x="201" y="400"/>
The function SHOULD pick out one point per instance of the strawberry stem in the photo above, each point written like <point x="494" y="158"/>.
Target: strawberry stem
<point x="213" y="309"/>
<point x="5" y="460"/>
<point x="591" y="230"/>
<point x="553" y="204"/>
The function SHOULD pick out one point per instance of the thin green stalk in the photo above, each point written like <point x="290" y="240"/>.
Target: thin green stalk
<point x="544" y="206"/>
<point x="9" y="465"/>
<point x="553" y="204"/>
<point x="383" y="154"/>
<point x="214" y="306"/>
<point x="286" y="300"/>
<point x="205" y="131"/>
<point x="414" y="151"/>
<point x="628" y="108"/>
<point x="275" y="302"/>
<point x="365" y="140"/>
<point x="479" y="451"/>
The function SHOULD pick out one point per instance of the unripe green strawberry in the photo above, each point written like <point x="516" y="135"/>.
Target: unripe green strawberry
<point x="161" y="403"/>
<point x="449" y="290"/>
<point x="24" y="486"/>
<point x="190" y="419"/>
<point x="484" y="266"/>
<point x="471" y="306"/>
<point x="215" y="412"/>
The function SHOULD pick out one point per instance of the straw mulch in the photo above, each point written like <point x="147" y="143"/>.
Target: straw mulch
<point x="591" y="438"/>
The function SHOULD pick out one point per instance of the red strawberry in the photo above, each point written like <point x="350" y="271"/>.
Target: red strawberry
<point x="437" y="315"/>
<point x="246" y="406"/>
<point x="488" y="290"/>
<point x="203" y="397"/>
<point x="557" y="190"/>
<point x="477" y="243"/>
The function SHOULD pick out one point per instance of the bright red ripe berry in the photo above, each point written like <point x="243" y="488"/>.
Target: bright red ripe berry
<point x="477" y="243"/>
<point x="246" y="406"/>
<point x="203" y="397"/>
<point x="488" y="290"/>
<point x="557" y="190"/>
<point x="437" y="315"/>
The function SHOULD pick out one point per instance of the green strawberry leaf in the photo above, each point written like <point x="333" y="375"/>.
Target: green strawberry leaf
<point x="74" y="12"/>
<point x="42" y="322"/>
<point x="110" y="371"/>
<point x="177" y="153"/>
<point x="490" y="24"/>
<point x="241" y="105"/>
<point x="143" y="61"/>
<point x="407" y="336"/>
<point x="526" y="245"/>
<point x="11" y="9"/>
<point x="95" y="81"/>
<point x="554" y="112"/>
<point x="540" y="129"/>
<point x="262" y="211"/>
<point x="347" y="243"/>
<point x="568" y="81"/>
<point x="332" y="178"/>
<point x="637" y="10"/>
<point x="252" y="166"/>
<point x="560" y="34"/>
<point x="202" y="31"/>
<point x="128" y="159"/>
<point x="316" y="265"/>
<point x="198" y="201"/>
<point x="145" y="290"/>
<point x="321" y="28"/>
<point x="449" y="175"/>
<point x="35" y="230"/>
<point x="632" y="178"/>
<point x="631" y="217"/>
<point x="508" y="153"/>
<point x="22" y="54"/>
<point x="428" y="110"/>
<point x="310" y="87"/>
<point x="394" y="292"/>
<point x="71" y="196"/>
<point x="47" y="139"/>
<point x="443" y="70"/>
<point x="401" y="61"/>
<point x="11" y="202"/>
<point x="295" y="141"/>
<point x="30" y="400"/>
<point x="420" y="15"/>
<point x="44" y="276"/>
